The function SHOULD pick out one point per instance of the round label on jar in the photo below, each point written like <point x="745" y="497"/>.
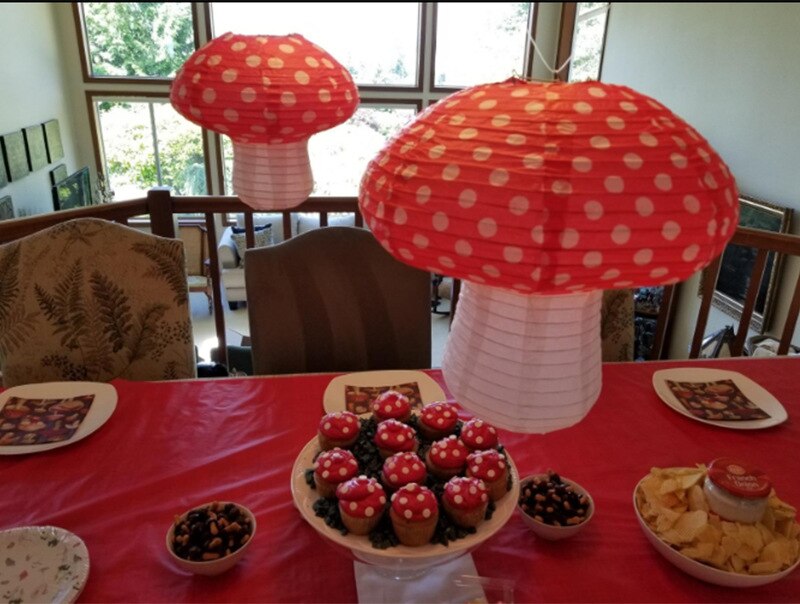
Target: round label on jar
<point x="738" y="478"/>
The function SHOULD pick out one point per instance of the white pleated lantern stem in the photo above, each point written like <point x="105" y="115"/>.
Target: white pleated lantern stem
<point x="272" y="177"/>
<point x="526" y="363"/>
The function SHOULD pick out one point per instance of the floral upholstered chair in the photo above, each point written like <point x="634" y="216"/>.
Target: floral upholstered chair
<point x="93" y="300"/>
<point x="617" y="325"/>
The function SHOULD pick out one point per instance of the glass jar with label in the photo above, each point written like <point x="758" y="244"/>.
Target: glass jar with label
<point x="736" y="491"/>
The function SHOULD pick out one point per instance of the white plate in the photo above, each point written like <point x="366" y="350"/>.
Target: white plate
<point x="334" y="397"/>
<point x="103" y="405"/>
<point x="756" y="393"/>
<point x="400" y="557"/>
<point x="42" y="564"/>
<point x="701" y="571"/>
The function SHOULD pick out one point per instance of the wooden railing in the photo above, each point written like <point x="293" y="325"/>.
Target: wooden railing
<point x="161" y="208"/>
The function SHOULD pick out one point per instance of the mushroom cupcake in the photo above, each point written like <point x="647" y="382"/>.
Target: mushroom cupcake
<point x="446" y="457"/>
<point x="401" y="469"/>
<point x="414" y="512"/>
<point x="362" y="502"/>
<point x="491" y="467"/>
<point x="437" y="420"/>
<point x="339" y="429"/>
<point x="465" y="500"/>
<point x="393" y="437"/>
<point x="391" y="405"/>
<point x="478" y="435"/>
<point x="332" y="468"/>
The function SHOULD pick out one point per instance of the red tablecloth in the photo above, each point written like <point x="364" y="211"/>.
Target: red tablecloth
<point x="170" y="446"/>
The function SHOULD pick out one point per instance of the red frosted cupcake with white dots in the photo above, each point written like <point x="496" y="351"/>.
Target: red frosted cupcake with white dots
<point x="339" y="429"/>
<point x="332" y="468"/>
<point x="401" y="469"/>
<point x="393" y="437"/>
<point x="478" y="435"/>
<point x="414" y="513"/>
<point x="437" y="420"/>
<point x="491" y="467"/>
<point x="362" y="502"/>
<point x="465" y="500"/>
<point x="446" y="457"/>
<point x="391" y="405"/>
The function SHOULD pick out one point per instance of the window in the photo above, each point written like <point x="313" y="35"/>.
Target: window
<point x="403" y="55"/>
<point x="588" y="40"/>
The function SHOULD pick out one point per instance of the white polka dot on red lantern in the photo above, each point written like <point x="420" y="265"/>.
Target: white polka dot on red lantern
<point x="710" y="181"/>
<point x="301" y="77"/>
<point x="348" y="96"/>
<point x="582" y="107"/>
<point x="446" y="261"/>
<point x="209" y="95"/>
<point x="429" y="134"/>
<point x="519" y="92"/>
<point x="537" y="234"/>
<point x="518" y="205"/>
<point x="238" y="46"/>
<point x="633" y="161"/>
<point x="659" y="272"/>
<point x="621" y="234"/>
<point x="214" y="60"/>
<point x="561" y="278"/>
<point x="409" y="172"/>
<point x="440" y="221"/>
<point x="405" y="253"/>
<point x="670" y="230"/>
<point x="463" y="247"/>
<point x="663" y="182"/>
<point x="643" y="256"/>
<point x="312" y="62"/>
<point x="648" y="140"/>
<point x="275" y="62"/>
<point x="569" y="238"/>
<point x="196" y="78"/>
<point x="534" y="107"/>
<point x="704" y="155"/>
<point x="499" y="121"/>
<point x="490" y="270"/>
<point x="533" y="161"/>
<point x="593" y="210"/>
<point x="481" y="153"/>
<point x="420" y="241"/>
<point x="467" y="198"/>
<point x="231" y="115"/>
<point x="597" y="92"/>
<point x="248" y="95"/>
<point x="498" y="177"/>
<point x="614" y="184"/>
<point x="487" y="104"/>
<point x="400" y="216"/>
<point x="512" y="254"/>
<point x="566" y="127"/>
<point x="287" y="48"/>
<point x="600" y="142"/>
<point x="678" y="160"/>
<point x="309" y="116"/>
<point x="324" y="95"/>
<point x="288" y="98"/>
<point x="561" y="187"/>
<point x="611" y="273"/>
<point x="423" y="194"/>
<point x="450" y="172"/>
<point x="628" y="106"/>
<point x="592" y="259"/>
<point x="457" y="119"/>
<point x="467" y="133"/>
<point x="711" y="228"/>
<point x="516" y="139"/>
<point x="690" y="253"/>
<point x="581" y="164"/>
<point x="487" y="227"/>
<point x="437" y="151"/>
<point x="644" y="206"/>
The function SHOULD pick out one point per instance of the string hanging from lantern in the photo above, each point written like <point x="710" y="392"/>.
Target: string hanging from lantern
<point x="546" y="64"/>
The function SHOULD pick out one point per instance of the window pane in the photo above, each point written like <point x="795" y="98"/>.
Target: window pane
<point x="375" y="41"/>
<point x="340" y="155"/>
<point x="135" y="160"/>
<point x="480" y="42"/>
<point x="138" y="39"/>
<point x="587" y="45"/>
<point x="585" y="7"/>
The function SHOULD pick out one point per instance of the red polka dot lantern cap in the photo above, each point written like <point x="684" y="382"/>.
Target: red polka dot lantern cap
<point x="538" y="196"/>
<point x="269" y="94"/>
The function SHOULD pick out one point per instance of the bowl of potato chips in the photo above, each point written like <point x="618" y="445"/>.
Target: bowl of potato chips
<point x="674" y="515"/>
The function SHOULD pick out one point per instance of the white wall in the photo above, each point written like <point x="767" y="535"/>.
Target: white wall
<point x="33" y="92"/>
<point x="733" y="72"/>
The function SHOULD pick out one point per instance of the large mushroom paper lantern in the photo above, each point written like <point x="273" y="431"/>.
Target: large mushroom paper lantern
<point x="538" y="196"/>
<point x="269" y="94"/>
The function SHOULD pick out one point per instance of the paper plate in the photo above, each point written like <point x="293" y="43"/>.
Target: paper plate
<point x="341" y="393"/>
<point x="103" y="403"/>
<point x="42" y="564"/>
<point x="753" y="391"/>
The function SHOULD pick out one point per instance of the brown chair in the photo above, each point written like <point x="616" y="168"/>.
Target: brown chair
<point x="333" y="299"/>
<point x="92" y="300"/>
<point x="195" y="246"/>
<point x="764" y="243"/>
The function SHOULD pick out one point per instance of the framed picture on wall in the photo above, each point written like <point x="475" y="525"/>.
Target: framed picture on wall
<point x="6" y="208"/>
<point x="52" y="139"/>
<point x="58" y="174"/>
<point x="15" y="156"/>
<point x="75" y="191"/>
<point x="34" y="144"/>
<point x="737" y="261"/>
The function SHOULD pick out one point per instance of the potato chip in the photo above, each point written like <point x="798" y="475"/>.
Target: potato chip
<point x="696" y="498"/>
<point x="764" y="568"/>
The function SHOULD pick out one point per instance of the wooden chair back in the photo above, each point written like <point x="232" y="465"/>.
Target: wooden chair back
<point x="195" y="246"/>
<point x="333" y="299"/>
<point x="764" y="242"/>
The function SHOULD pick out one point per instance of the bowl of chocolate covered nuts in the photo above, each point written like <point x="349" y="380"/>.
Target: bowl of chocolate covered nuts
<point x="211" y="538"/>
<point x="554" y="507"/>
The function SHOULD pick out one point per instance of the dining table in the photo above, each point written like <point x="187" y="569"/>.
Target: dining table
<point x="172" y="445"/>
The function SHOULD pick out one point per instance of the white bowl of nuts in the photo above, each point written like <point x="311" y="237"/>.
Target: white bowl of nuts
<point x="554" y="507"/>
<point x="211" y="538"/>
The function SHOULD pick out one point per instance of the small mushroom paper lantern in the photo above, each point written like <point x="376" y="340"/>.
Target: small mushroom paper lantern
<point x="269" y="94"/>
<point x="538" y="196"/>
